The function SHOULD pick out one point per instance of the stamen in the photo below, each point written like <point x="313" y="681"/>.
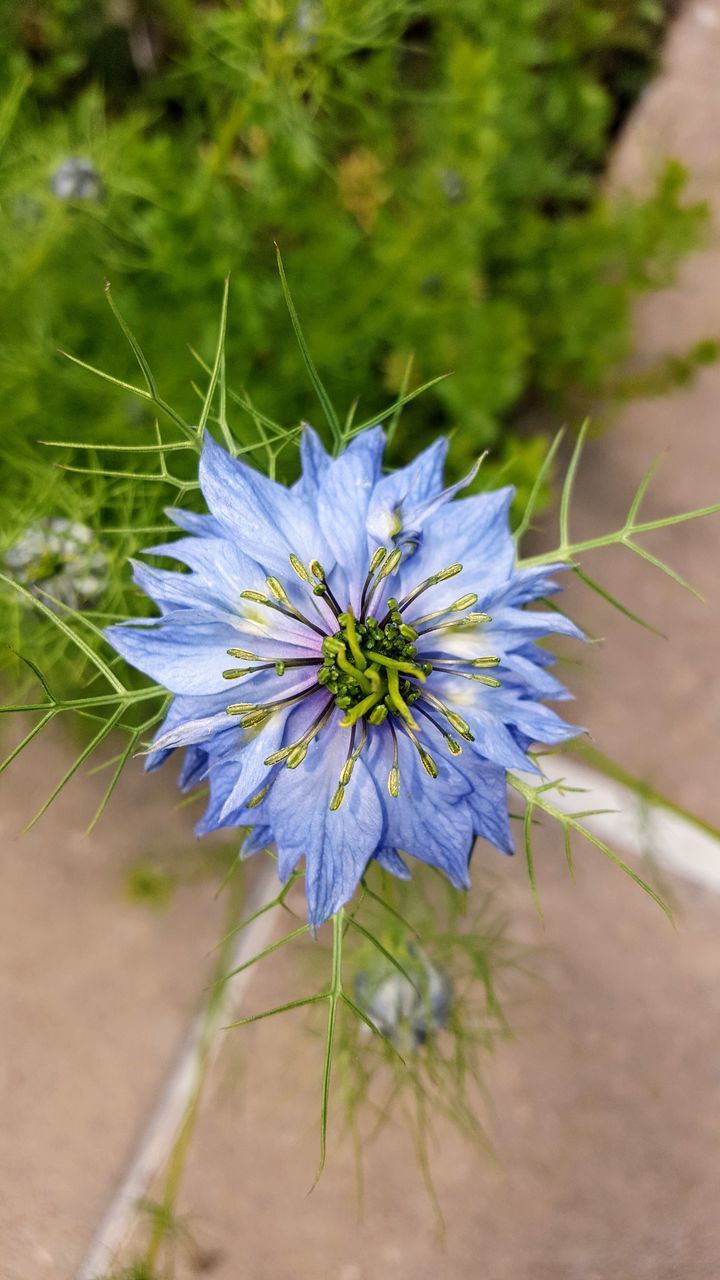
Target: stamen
<point x="458" y="624"/>
<point x="379" y="714"/>
<point x="432" y="581"/>
<point x="387" y="567"/>
<point x="428" y="763"/>
<point x="375" y="563"/>
<point x="467" y="675"/>
<point x="441" y="661"/>
<point x="459" y="725"/>
<point x="299" y="568"/>
<point x="280" y="665"/>
<point x="289" y="612"/>
<point x="452" y="744"/>
<point x="295" y="752"/>
<point x="353" y="755"/>
<point x="259" y="796"/>
<point x="277" y="589"/>
<point x="465" y="602"/>
<point x="394" y="774"/>
<point x="263" y="711"/>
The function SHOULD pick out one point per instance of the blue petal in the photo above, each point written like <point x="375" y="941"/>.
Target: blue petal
<point x="390" y="860"/>
<point x="337" y="845"/>
<point x="423" y="508"/>
<point x="488" y="803"/>
<point x="475" y="533"/>
<point x="536" y="721"/>
<point x="191" y="522"/>
<point x="188" y="655"/>
<point x="494" y="741"/>
<point x="532" y="584"/>
<point x="265" y="519"/>
<point x="255" y="841"/>
<point x="517" y="626"/>
<point x="344" y="495"/>
<point x="403" y="490"/>
<point x="430" y="819"/>
<point x="181" y="712"/>
<point x="194" y="768"/>
<point x="185" y="658"/>
<point x="315" y="461"/>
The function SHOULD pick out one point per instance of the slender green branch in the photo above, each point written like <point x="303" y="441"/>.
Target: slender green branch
<point x="537" y="797"/>
<point x="333" y="996"/>
<point x="320" y="391"/>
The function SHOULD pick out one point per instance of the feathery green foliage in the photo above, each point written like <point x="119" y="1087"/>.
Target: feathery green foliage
<point x="429" y="171"/>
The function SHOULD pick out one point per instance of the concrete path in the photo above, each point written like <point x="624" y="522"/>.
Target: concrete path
<point x="605" y="1107"/>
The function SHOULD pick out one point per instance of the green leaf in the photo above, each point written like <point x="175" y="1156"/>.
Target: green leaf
<point x="536" y="490"/>
<point x="322" y="395"/>
<point x="537" y="797"/>
<point x="613" y="600"/>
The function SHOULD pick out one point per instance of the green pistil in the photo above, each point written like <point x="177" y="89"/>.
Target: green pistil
<point x="411" y="668"/>
<point x="382" y="677"/>
<point x="397" y="701"/>
<point x="348" y="622"/>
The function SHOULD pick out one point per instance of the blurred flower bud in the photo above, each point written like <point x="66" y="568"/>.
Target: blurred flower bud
<point x="453" y="186"/>
<point x="60" y="557"/>
<point x="76" y="179"/>
<point x="408" y="1015"/>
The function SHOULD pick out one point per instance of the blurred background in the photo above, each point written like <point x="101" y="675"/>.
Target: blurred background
<point x="523" y="193"/>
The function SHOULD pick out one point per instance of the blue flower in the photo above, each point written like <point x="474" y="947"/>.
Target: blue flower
<point x="352" y="663"/>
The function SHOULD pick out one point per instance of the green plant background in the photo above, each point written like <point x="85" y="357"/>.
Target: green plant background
<point x="429" y="170"/>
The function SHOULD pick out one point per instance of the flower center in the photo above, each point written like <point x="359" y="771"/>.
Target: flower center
<point x="369" y="669"/>
<point x="366" y="668"/>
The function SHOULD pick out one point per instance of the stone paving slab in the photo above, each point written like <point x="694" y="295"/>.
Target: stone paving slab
<point x="96" y="993"/>
<point x="605" y="1117"/>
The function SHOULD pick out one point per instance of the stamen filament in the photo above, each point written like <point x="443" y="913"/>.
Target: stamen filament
<point x="375" y="563"/>
<point x="458" y="624"/>
<point x="428" y="763"/>
<point x="459" y="725"/>
<point x="432" y="581"/>
<point x="452" y="744"/>
<point x="465" y="602"/>
<point x="290" y="612"/>
<point x="238" y="708"/>
<point x="234" y="673"/>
